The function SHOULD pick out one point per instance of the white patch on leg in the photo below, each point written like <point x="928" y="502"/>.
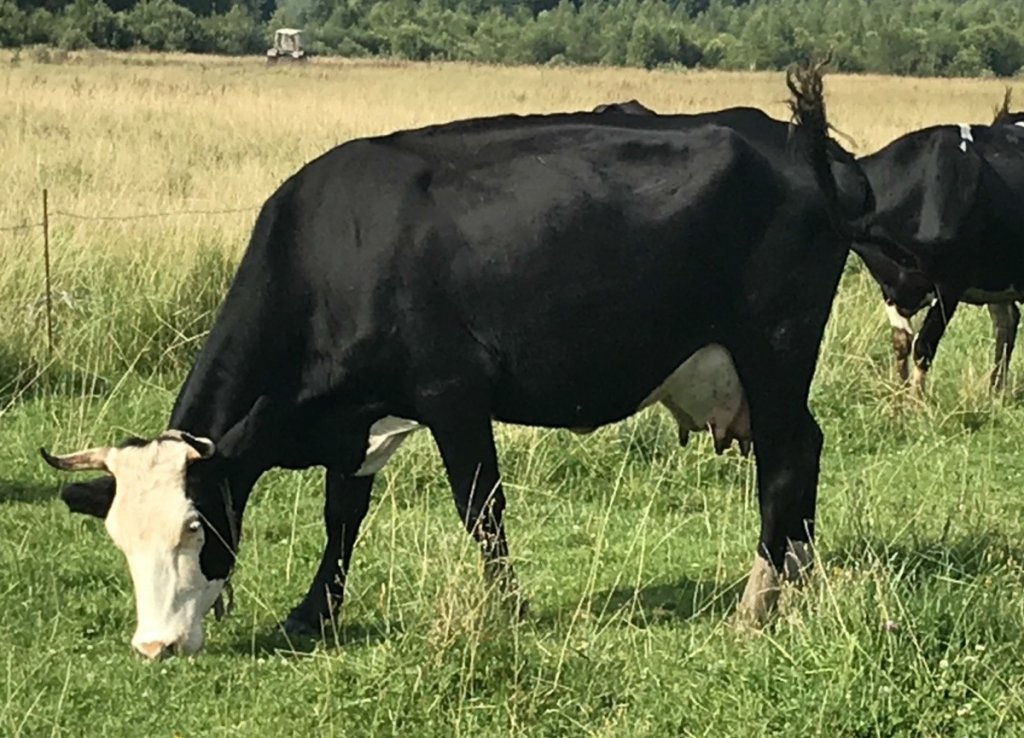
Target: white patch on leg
<point x="704" y="392"/>
<point x="386" y="435"/>
<point x="900" y="322"/>
<point x="761" y="594"/>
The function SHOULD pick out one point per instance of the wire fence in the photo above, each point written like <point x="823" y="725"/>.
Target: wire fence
<point x="151" y="216"/>
<point x="49" y="216"/>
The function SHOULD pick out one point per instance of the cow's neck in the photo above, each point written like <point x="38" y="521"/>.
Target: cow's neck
<point x="248" y="357"/>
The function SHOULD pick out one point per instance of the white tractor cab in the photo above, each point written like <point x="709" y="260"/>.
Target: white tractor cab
<point x="287" y="46"/>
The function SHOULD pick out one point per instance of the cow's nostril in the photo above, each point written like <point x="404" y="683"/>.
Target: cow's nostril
<point x="153" y="649"/>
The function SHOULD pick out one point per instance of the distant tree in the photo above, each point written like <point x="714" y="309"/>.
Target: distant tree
<point x="163" y="25"/>
<point x="235" y="32"/>
<point x="93" y="23"/>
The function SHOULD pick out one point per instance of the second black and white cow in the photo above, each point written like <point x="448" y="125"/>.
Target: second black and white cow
<point x="948" y="228"/>
<point x="549" y="270"/>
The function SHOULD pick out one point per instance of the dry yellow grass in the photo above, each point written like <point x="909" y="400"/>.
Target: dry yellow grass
<point x="118" y="134"/>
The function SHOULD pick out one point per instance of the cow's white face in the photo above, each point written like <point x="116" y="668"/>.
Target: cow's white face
<point x="161" y="534"/>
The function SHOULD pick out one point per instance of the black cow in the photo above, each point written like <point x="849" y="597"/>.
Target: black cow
<point x="560" y="271"/>
<point x="633" y="107"/>
<point x="948" y="227"/>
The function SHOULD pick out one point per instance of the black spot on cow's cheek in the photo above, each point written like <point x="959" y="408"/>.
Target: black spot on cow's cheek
<point x="216" y="557"/>
<point x="206" y="488"/>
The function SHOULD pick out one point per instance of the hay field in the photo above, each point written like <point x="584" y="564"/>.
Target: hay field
<point x="630" y="549"/>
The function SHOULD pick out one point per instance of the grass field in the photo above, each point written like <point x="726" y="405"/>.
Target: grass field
<point x="631" y="550"/>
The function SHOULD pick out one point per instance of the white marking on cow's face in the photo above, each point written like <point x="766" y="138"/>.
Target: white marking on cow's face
<point x="705" y="392"/>
<point x="965" y="136"/>
<point x="1019" y="123"/>
<point x="160" y="533"/>
<point x="386" y="435"/>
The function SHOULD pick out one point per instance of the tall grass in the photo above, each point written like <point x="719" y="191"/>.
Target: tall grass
<point x="630" y="549"/>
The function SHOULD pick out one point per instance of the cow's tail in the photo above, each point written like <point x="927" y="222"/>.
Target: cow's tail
<point x="810" y="132"/>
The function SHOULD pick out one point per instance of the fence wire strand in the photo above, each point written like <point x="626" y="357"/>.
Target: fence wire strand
<point x="20" y="227"/>
<point x="145" y="216"/>
<point x="26" y="226"/>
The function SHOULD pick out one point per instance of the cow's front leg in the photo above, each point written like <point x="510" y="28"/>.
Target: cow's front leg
<point x="347" y="501"/>
<point x="466" y="443"/>
<point x="1005" y="319"/>
<point x="927" y="342"/>
<point x="788" y="449"/>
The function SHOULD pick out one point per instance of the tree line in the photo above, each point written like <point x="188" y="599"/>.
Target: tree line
<point x="911" y="37"/>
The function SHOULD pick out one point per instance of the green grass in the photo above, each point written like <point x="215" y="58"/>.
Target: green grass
<point x="631" y="551"/>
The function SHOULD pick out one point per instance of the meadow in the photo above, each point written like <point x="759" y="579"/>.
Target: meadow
<point x="631" y="550"/>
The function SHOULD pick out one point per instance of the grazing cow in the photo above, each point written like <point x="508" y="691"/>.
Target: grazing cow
<point x="546" y="270"/>
<point x="948" y="227"/>
<point x="633" y="107"/>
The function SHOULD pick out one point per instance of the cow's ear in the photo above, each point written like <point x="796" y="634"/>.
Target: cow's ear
<point x="90" y="498"/>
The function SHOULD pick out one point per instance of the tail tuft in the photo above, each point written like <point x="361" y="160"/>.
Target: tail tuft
<point x="807" y="102"/>
<point x="1002" y="113"/>
<point x="808" y="97"/>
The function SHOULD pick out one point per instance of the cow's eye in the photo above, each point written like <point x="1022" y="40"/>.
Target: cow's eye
<point x="194" y="525"/>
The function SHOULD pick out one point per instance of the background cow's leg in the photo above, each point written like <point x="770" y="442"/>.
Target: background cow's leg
<point x="347" y="501"/>
<point x="927" y="341"/>
<point x="1005" y="318"/>
<point x="467" y="448"/>
<point x="902" y="339"/>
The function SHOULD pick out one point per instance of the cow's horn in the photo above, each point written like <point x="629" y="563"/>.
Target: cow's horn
<point x="93" y="458"/>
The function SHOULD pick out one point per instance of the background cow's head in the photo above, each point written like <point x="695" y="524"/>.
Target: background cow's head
<point x="166" y="506"/>
<point x="902" y="274"/>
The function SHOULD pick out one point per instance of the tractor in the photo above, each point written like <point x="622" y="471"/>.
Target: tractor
<point x="287" y="46"/>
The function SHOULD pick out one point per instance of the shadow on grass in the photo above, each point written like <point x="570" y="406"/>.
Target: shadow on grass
<point x="680" y="601"/>
<point x="274" y="641"/>
<point x="653" y="604"/>
<point x="918" y="563"/>
<point x="23" y="492"/>
<point x="982" y="553"/>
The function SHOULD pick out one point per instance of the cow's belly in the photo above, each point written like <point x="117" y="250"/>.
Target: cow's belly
<point x="703" y="393"/>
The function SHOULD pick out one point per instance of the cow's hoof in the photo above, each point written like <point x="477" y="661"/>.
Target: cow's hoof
<point x="917" y="381"/>
<point x="509" y="605"/>
<point x="760" y="596"/>
<point x="519" y="607"/>
<point x="302" y="625"/>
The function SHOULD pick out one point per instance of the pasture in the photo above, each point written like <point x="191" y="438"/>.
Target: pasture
<point x="631" y="550"/>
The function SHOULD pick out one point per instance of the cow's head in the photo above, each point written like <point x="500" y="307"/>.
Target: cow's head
<point x="167" y="507"/>
<point x="903" y="275"/>
<point x="631" y="107"/>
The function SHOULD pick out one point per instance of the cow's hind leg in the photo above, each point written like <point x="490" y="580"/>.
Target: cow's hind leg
<point x="466" y="443"/>
<point x="788" y="445"/>
<point x="1005" y="319"/>
<point x="347" y="501"/>
<point x="902" y="339"/>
